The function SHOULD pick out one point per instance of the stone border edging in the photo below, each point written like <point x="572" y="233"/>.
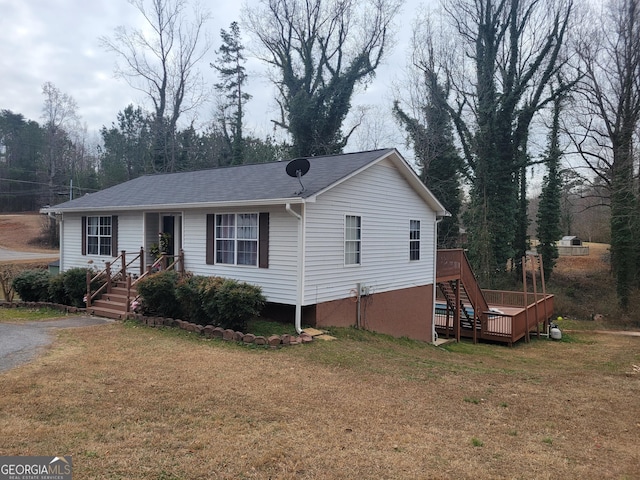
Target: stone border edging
<point x="208" y="331"/>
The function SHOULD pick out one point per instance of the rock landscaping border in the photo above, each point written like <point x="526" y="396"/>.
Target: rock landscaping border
<point x="208" y="331"/>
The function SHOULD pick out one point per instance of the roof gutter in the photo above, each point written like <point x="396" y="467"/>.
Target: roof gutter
<point x="300" y="272"/>
<point x="176" y="206"/>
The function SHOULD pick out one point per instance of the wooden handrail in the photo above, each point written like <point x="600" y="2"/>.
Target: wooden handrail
<point x="108" y="276"/>
<point x="161" y="264"/>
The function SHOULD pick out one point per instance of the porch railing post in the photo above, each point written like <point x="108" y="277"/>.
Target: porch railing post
<point x="142" y="262"/>
<point x="123" y="253"/>
<point x="128" y="310"/>
<point x="181" y="260"/>
<point x="108" y="271"/>
<point x="88" y="297"/>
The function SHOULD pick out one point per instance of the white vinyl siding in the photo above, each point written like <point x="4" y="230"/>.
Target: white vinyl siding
<point x="130" y="239"/>
<point x="385" y="263"/>
<point x="278" y="282"/>
<point x="379" y="195"/>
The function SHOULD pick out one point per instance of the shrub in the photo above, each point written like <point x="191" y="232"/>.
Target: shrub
<point x="197" y="297"/>
<point x="205" y="300"/>
<point x="75" y="285"/>
<point x="158" y="292"/>
<point x="237" y="303"/>
<point x="57" y="293"/>
<point x="209" y="299"/>
<point x="188" y="295"/>
<point x="32" y="285"/>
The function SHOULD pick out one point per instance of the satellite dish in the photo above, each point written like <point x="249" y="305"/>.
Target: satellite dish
<point x="297" y="168"/>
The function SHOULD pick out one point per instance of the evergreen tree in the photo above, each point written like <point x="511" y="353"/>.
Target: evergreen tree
<point x="127" y="151"/>
<point x="233" y="77"/>
<point x="549" y="227"/>
<point x="433" y="145"/>
<point x="21" y="148"/>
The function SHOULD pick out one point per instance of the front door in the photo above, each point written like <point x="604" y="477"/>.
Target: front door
<point x="168" y="234"/>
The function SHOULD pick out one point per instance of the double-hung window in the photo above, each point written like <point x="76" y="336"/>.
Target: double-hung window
<point x="236" y="238"/>
<point x="352" y="239"/>
<point x="414" y="239"/>
<point x="99" y="235"/>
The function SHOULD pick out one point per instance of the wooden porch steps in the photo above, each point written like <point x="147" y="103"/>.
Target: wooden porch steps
<point x="113" y="304"/>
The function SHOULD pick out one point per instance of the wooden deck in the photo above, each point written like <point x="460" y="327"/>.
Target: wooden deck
<point x="465" y="310"/>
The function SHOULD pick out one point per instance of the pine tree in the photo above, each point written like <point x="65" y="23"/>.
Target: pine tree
<point x="549" y="229"/>
<point x="233" y="77"/>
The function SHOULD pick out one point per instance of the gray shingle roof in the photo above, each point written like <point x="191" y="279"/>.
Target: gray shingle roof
<point x="244" y="183"/>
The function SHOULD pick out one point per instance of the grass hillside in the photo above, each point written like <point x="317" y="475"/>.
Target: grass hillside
<point x="23" y="232"/>
<point x="585" y="292"/>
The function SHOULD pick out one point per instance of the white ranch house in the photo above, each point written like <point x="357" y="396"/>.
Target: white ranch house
<point x="355" y="246"/>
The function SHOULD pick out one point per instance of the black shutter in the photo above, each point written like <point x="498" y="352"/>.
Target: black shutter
<point x="210" y="239"/>
<point x="84" y="235"/>
<point x="263" y="241"/>
<point x="114" y="236"/>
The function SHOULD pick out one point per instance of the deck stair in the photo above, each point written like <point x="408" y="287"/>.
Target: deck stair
<point x="464" y="298"/>
<point x="448" y="290"/>
<point x="466" y="312"/>
<point x="114" y="303"/>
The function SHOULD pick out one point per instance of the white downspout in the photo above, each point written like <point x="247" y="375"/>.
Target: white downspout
<point x="61" y="248"/>
<point x="435" y="286"/>
<point x="300" y="273"/>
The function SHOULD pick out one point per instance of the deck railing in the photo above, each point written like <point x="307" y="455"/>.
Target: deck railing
<point x="535" y="308"/>
<point x="106" y="277"/>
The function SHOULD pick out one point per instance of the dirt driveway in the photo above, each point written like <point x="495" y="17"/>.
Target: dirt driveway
<point x="21" y="342"/>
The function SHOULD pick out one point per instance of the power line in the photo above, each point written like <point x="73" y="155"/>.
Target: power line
<point x="46" y="184"/>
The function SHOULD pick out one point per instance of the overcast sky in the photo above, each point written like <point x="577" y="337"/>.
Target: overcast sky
<point x="57" y="41"/>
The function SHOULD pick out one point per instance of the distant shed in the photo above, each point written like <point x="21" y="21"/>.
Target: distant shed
<point x="570" y="241"/>
<point x="570" y="245"/>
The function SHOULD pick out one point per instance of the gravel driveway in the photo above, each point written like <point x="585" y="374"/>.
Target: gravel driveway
<point x="21" y="342"/>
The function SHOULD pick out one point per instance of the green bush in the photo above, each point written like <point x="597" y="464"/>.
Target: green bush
<point x="57" y="293"/>
<point x="204" y="300"/>
<point x="197" y="297"/>
<point x="209" y="299"/>
<point x="158" y="292"/>
<point x="237" y="303"/>
<point x="32" y="285"/>
<point x="75" y="285"/>
<point x="188" y="295"/>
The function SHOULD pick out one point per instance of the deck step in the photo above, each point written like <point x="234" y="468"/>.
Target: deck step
<point x="107" y="313"/>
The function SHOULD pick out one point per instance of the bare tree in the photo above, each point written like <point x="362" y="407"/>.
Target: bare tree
<point x="60" y="118"/>
<point x="498" y="69"/>
<point x="320" y="51"/>
<point x="161" y="60"/>
<point x="608" y="123"/>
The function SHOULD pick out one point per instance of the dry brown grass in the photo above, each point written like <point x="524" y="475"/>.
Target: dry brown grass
<point x="21" y="231"/>
<point x="584" y="289"/>
<point x="133" y="402"/>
